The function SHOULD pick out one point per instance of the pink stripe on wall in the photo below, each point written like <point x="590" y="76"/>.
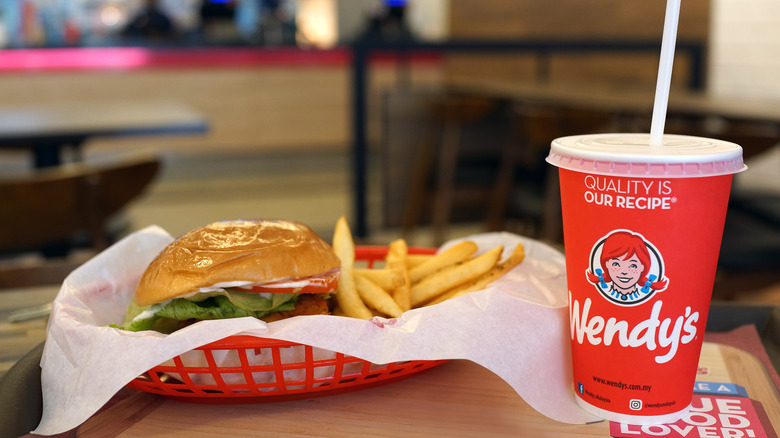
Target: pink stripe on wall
<point x="121" y="58"/>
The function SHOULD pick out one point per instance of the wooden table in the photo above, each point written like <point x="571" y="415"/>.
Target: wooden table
<point x="758" y="121"/>
<point x="46" y="130"/>
<point x="629" y="104"/>
<point x="622" y="100"/>
<point x="456" y="399"/>
<point x="17" y="338"/>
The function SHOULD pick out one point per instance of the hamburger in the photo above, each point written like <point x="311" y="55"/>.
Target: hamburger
<point x="267" y="269"/>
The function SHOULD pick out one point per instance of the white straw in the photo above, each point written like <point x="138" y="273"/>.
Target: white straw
<point x="664" y="80"/>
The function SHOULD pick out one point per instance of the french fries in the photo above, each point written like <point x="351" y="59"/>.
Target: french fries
<point x="376" y="297"/>
<point x="456" y="254"/>
<point x="347" y="295"/>
<point x="410" y="280"/>
<point x="387" y="279"/>
<point x="413" y="260"/>
<point x="445" y="279"/>
<point x="396" y="259"/>
<point x="480" y="283"/>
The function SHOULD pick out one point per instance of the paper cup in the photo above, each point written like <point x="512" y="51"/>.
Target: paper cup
<point x="642" y="229"/>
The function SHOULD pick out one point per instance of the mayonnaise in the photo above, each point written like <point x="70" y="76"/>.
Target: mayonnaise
<point x="148" y="313"/>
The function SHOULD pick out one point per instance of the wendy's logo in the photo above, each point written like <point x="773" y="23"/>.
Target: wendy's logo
<point x="625" y="268"/>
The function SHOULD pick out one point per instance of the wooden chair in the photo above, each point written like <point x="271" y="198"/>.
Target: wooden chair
<point x="526" y="187"/>
<point x="437" y="157"/>
<point x="521" y="168"/>
<point x="53" y="211"/>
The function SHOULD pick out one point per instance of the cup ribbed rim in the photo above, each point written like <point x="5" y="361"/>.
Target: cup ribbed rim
<point x="632" y="154"/>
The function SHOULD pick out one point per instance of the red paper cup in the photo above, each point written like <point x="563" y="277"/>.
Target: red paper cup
<point x="642" y="230"/>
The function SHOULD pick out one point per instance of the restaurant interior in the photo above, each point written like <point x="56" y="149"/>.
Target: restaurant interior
<point x="423" y="119"/>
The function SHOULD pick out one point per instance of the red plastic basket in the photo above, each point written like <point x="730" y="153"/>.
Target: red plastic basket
<point x="248" y="369"/>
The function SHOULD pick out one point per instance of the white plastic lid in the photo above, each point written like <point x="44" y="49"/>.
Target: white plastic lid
<point x="632" y="154"/>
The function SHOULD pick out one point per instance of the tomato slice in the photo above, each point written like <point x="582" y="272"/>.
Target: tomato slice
<point x="321" y="284"/>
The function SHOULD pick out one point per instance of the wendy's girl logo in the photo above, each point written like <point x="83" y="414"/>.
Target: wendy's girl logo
<point x="625" y="268"/>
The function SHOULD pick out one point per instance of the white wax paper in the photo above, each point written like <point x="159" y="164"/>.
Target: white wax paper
<point x="516" y="328"/>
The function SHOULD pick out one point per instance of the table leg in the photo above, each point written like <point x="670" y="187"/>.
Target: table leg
<point x="359" y="146"/>
<point x="47" y="155"/>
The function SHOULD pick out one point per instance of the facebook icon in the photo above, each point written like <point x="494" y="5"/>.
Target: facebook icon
<point x="580" y="388"/>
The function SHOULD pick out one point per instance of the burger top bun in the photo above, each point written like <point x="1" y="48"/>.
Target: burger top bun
<point x="243" y="250"/>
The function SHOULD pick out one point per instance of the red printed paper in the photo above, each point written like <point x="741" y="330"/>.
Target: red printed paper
<point x="710" y="416"/>
<point x="641" y="255"/>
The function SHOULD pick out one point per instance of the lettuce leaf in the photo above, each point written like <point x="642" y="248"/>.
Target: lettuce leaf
<point x="258" y="302"/>
<point x="217" y="305"/>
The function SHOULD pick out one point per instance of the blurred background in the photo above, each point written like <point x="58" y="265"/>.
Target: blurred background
<point x="423" y="119"/>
